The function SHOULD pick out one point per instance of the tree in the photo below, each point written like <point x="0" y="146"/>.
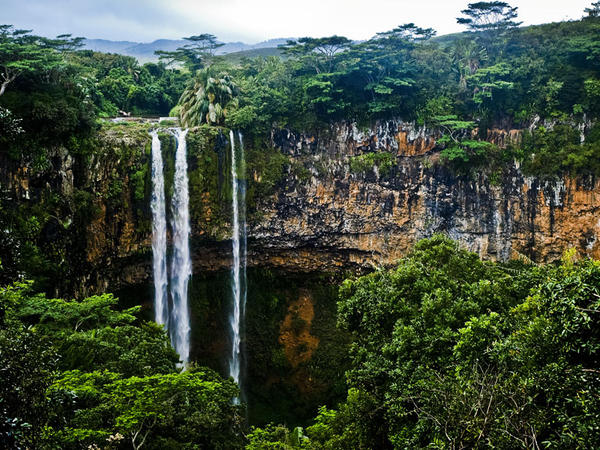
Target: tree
<point x="161" y="411"/>
<point x="488" y="85"/>
<point x="387" y="66"/>
<point x="489" y="16"/>
<point x="406" y="323"/>
<point x="593" y="10"/>
<point x="21" y="52"/>
<point x="27" y="368"/>
<point x="408" y="32"/>
<point x="468" y="56"/>
<point x="10" y="126"/>
<point x="207" y="98"/>
<point x="197" y="54"/>
<point x="65" y="43"/>
<point x="320" y="52"/>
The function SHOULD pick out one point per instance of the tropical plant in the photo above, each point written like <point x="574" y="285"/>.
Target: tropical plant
<point x="198" y="53"/>
<point x="468" y="56"/>
<point x="208" y="99"/>
<point x="489" y="16"/>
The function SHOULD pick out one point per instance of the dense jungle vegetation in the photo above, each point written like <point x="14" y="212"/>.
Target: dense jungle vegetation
<point x="447" y="351"/>
<point x="494" y="75"/>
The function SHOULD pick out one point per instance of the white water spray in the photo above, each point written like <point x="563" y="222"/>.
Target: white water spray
<point x="159" y="234"/>
<point x="181" y="264"/>
<point x="238" y="290"/>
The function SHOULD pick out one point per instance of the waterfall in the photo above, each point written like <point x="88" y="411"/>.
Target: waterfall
<point x="159" y="234"/>
<point x="238" y="288"/>
<point x="181" y="264"/>
<point x="244" y="245"/>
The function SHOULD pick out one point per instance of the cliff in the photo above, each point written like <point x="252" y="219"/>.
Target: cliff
<point x="339" y="218"/>
<point x="315" y="204"/>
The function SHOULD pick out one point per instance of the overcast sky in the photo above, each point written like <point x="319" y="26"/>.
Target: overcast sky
<point x="253" y="20"/>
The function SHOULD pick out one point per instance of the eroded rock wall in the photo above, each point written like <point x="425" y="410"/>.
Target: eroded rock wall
<point x="337" y="218"/>
<point x="317" y="215"/>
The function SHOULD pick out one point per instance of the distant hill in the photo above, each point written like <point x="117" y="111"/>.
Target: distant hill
<point x="144" y="52"/>
<point x="236" y="57"/>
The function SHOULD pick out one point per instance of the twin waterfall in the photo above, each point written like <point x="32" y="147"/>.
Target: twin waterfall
<point x="173" y="311"/>
<point x="177" y="320"/>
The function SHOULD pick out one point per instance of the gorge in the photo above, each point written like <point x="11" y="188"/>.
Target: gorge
<point x="309" y="212"/>
<point x="386" y="243"/>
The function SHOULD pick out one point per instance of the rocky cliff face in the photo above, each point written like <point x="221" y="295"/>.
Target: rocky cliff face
<point x="312" y="209"/>
<point x="337" y="218"/>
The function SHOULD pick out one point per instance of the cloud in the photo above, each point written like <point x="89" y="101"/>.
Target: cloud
<point x="253" y="20"/>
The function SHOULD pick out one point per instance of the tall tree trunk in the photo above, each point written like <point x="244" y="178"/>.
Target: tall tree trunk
<point x="3" y="87"/>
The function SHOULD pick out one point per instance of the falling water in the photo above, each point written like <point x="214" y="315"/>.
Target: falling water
<point x="242" y="203"/>
<point x="181" y="264"/>
<point x="237" y="288"/>
<point x="159" y="233"/>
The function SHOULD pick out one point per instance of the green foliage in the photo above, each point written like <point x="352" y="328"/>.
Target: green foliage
<point x="266" y="94"/>
<point x="593" y="10"/>
<point x="487" y="81"/>
<point x="159" y="410"/>
<point x="264" y="171"/>
<point x="276" y="437"/>
<point x="592" y="95"/>
<point x="461" y="152"/>
<point x="207" y="99"/>
<point x="498" y="73"/>
<point x="489" y="16"/>
<point x="22" y="53"/>
<point x="384" y="161"/>
<point x="27" y="366"/>
<point x="549" y="152"/>
<point x="318" y="52"/>
<point x="336" y="429"/>
<point x="453" y="352"/>
<point x="79" y="373"/>
<point x="197" y="54"/>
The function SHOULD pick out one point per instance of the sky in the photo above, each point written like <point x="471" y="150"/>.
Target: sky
<point x="252" y="21"/>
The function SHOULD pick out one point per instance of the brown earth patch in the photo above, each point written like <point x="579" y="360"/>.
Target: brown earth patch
<point x="294" y="332"/>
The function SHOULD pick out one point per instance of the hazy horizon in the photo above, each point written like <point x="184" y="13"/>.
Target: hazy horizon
<point x="257" y="21"/>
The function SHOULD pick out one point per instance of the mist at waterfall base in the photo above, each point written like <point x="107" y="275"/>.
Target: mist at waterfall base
<point x="177" y="320"/>
<point x="238" y="270"/>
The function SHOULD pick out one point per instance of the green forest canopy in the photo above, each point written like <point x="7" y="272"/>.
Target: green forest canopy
<point x="448" y="352"/>
<point x="496" y="74"/>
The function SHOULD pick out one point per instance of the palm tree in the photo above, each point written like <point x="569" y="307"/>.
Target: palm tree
<point x="468" y="57"/>
<point x="208" y="98"/>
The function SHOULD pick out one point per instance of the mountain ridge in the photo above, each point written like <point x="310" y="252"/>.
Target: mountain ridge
<point x="144" y="51"/>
